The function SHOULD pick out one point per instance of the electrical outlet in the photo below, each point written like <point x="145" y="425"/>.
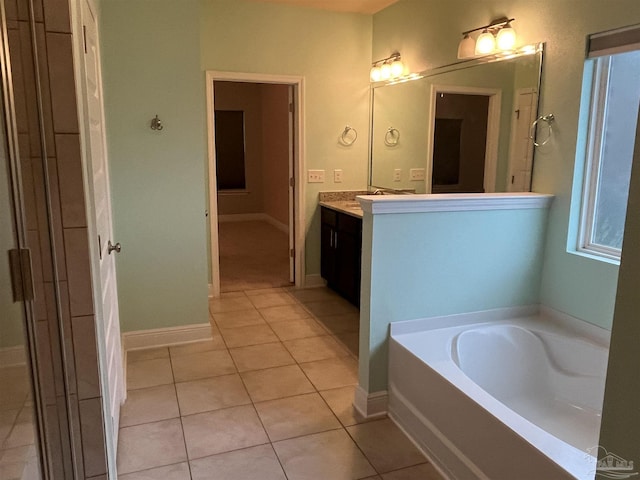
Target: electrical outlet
<point x="315" y="176"/>
<point x="337" y="176"/>
<point x="416" y="174"/>
<point x="397" y="175"/>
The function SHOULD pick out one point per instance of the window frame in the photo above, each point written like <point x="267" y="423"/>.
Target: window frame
<point x="593" y="161"/>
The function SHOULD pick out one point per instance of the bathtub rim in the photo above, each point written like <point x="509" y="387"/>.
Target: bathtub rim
<point x="558" y="321"/>
<point x="538" y="317"/>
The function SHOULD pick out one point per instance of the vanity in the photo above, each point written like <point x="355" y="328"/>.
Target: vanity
<point x="467" y="127"/>
<point x="341" y="246"/>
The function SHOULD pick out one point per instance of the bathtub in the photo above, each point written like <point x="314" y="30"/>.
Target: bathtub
<point x="499" y="398"/>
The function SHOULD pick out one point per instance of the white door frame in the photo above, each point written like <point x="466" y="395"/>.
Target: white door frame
<point x="514" y="131"/>
<point x="493" y="130"/>
<point x="298" y="167"/>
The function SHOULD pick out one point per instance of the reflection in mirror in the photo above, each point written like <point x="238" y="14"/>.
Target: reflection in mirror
<point x="459" y="142"/>
<point x="459" y="128"/>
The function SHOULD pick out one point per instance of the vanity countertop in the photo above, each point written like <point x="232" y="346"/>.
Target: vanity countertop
<point x="350" y="207"/>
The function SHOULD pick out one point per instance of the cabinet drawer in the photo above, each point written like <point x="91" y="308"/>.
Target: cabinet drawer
<point x="328" y="216"/>
<point x="349" y="224"/>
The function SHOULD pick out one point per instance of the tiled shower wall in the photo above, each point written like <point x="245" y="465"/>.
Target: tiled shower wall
<point x="74" y="390"/>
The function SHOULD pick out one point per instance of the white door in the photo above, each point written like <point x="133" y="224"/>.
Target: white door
<point x="109" y="322"/>
<point x="521" y="148"/>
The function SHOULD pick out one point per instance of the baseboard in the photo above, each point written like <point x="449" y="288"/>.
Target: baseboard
<point x="11" y="356"/>
<point x="370" y="405"/>
<point x="161" y="337"/>
<point x="249" y="217"/>
<point x="240" y="217"/>
<point x="314" y="280"/>
<point x="276" y="223"/>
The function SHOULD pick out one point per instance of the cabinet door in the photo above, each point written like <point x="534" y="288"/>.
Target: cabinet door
<point x="327" y="253"/>
<point x="348" y="253"/>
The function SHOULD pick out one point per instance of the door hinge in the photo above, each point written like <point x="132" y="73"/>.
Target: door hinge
<point x="21" y="274"/>
<point x="291" y="108"/>
<point x="292" y="252"/>
<point x="84" y="37"/>
<point x="518" y="114"/>
<point x="292" y="182"/>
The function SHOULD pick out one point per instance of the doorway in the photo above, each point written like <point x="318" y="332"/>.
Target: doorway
<point x="255" y="154"/>
<point x="464" y="127"/>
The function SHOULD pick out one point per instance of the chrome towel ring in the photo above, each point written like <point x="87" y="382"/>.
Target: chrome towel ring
<point x="392" y="137"/>
<point x="348" y="136"/>
<point x="548" y="119"/>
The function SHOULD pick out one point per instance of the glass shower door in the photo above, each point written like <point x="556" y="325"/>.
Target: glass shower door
<point x="36" y="417"/>
<point x="19" y="437"/>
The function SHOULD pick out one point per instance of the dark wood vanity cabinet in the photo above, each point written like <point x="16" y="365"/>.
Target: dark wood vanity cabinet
<point x="341" y="252"/>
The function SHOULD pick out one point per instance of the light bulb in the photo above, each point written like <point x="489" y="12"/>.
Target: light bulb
<point x="385" y="71"/>
<point x="376" y="74"/>
<point x="467" y="47"/>
<point x="397" y="68"/>
<point x="506" y="39"/>
<point x="486" y="43"/>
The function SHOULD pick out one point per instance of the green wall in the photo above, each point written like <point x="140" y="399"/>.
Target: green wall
<point x="480" y="260"/>
<point x="427" y="33"/>
<point x="151" y="65"/>
<point x="155" y="54"/>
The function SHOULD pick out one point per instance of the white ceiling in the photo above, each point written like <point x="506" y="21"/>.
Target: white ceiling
<point x="354" y="6"/>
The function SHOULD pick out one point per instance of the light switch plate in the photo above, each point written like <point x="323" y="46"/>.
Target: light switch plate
<point x="397" y="175"/>
<point x="315" y="176"/>
<point x="337" y="176"/>
<point x="417" y="174"/>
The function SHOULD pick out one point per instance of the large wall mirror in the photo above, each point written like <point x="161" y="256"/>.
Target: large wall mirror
<point x="460" y="128"/>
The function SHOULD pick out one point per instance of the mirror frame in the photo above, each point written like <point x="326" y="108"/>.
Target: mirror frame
<point x="526" y="50"/>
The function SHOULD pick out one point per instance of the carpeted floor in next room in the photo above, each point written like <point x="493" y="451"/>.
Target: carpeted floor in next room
<point x="253" y="254"/>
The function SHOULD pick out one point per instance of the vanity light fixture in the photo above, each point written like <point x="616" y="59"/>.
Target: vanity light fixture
<point x="389" y="68"/>
<point x="467" y="47"/>
<point x="499" y="36"/>
<point x="506" y="39"/>
<point x="486" y="43"/>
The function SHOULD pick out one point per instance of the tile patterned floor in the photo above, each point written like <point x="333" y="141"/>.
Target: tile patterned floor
<point x="18" y="454"/>
<point x="269" y="398"/>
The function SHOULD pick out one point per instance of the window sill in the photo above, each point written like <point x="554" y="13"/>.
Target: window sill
<point x="233" y="192"/>
<point x="595" y="256"/>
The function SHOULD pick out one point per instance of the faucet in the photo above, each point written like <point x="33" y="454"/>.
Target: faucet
<point x="378" y="191"/>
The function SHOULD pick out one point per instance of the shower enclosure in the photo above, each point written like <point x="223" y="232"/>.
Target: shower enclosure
<point x="51" y="424"/>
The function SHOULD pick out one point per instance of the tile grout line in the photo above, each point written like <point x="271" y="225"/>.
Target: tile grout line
<point x="184" y="437"/>
<point x="298" y="364"/>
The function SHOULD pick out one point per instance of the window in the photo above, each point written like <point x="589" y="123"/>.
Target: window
<point x="230" y="171"/>
<point x="612" y="127"/>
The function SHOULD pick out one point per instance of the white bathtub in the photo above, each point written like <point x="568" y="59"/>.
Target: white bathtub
<point x="500" y="399"/>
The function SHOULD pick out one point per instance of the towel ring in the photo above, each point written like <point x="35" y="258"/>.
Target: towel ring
<point x="392" y="137"/>
<point x="548" y="119"/>
<point x="347" y="140"/>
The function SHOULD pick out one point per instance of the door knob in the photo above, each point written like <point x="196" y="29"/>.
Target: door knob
<point x="110" y="247"/>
